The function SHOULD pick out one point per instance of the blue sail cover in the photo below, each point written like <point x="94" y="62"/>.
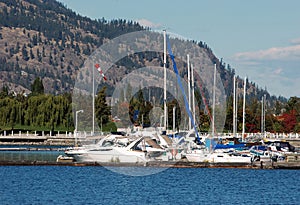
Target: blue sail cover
<point x="228" y="146"/>
<point x="181" y="88"/>
<point x="135" y="115"/>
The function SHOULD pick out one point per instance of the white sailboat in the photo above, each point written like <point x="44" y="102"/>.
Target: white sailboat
<point x="212" y="156"/>
<point x="204" y="154"/>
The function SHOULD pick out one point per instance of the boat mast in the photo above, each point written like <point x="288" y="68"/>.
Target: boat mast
<point x="174" y="118"/>
<point x="214" y="102"/>
<point x="93" y="106"/>
<point x="189" y="87"/>
<point x="234" y="108"/>
<point x="244" y="107"/>
<point x="236" y="105"/>
<point x="263" y="115"/>
<point x="165" y="80"/>
<point x="193" y="93"/>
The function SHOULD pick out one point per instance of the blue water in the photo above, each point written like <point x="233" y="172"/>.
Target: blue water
<point x="97" y="185"/>
<point x="37" y="153"/>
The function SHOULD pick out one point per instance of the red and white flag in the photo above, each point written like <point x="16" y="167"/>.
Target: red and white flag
<point x="97" y="66"/>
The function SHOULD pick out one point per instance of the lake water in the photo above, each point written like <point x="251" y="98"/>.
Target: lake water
<point x="39" y="153"/>
<point x="98" y="185"/>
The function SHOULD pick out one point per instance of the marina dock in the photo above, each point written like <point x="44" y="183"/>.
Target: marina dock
<point x="169" y="164"/>
<point x="42" y="149"/>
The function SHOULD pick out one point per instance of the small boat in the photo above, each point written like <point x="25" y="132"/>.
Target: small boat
<point x="198" y="155"/>
<point x="62" y="158"/>
<point x="218" y="157"/>
<point x="230" y="157"/>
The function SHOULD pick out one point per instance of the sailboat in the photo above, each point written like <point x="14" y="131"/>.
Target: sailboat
<point x="216" y="156"/>
<point x="204" y="154"/>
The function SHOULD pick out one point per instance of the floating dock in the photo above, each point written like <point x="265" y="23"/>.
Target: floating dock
<point x="169" y="164"/>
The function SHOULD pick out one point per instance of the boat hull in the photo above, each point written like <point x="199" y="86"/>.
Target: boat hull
<point x="217" y="158"/>
<point x="109" y="155"/>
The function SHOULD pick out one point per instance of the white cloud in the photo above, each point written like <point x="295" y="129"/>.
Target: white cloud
<point x="276" y="53"/>
<point x="277" y="68"/>
<point x="278" y="71"/>
<point x="147" y="23"/>
<point x="295" y="41"/>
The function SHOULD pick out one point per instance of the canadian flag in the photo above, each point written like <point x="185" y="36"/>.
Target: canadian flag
<point x="97" y="66"/>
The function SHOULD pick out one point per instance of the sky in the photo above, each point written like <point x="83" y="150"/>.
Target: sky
<point x="260" y="39"/>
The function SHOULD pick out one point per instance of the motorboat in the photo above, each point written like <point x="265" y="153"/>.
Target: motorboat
<point x="62" y="158"/>
<point x="198" y="155"/>
<point x="229" y="156"/>
<point x="109" y="150"/>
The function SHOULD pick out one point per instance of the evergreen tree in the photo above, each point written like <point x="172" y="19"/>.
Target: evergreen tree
<point x="4" y="92"/>
<point x="102" y="110"/>
<point x="31" y="54"/>
<point x="37" y="88"/>
<point x="25" y="53"/>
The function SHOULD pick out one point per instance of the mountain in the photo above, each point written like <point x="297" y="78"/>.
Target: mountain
<point x="43" y="38"/>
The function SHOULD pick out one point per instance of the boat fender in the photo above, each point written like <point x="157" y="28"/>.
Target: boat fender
<point x="174" y="152"/>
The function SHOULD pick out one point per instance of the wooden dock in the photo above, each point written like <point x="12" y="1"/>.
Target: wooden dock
<point x="169" y="164"/>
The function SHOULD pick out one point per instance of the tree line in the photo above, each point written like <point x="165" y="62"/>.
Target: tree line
<point x="39" y="111"/>
<point x="43" y="112"/>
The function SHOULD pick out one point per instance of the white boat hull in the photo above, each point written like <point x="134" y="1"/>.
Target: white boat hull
<point x="198" y="155"/>
<point x="114" y="154"/>
<point x="217" y="158"/>
<point x="226" y="158"/>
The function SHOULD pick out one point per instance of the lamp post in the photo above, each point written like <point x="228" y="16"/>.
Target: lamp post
<point x="101" y="124"/>
<point x="76" y="124"/>
<point x="161" y="117"/>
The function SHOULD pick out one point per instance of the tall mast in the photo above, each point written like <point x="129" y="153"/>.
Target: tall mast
<point x="193" y="94"/>
<point x="234" y="108"/>
<point x="262" y="115"/>
<point x="244" y="107"/>
<point x="214" y="102"/>
<point x="174" y="118"/>
<point x="165" y="80"/>
<point x="93" y="106"/>
<point x="189" y="87"/>
<point x="265" y="99"/>
<point x="236" y="105"/>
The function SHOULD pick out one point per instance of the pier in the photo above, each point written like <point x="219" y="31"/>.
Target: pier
<point x="178" y="164"/>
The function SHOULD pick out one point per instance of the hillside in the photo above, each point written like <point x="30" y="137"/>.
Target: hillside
<point x="45" y="39"/>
